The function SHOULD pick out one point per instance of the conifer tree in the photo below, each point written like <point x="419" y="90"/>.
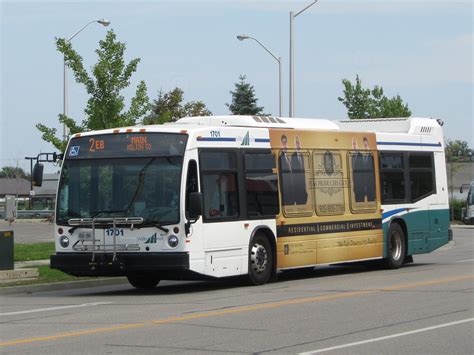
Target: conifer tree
<point x="244" y="101"/>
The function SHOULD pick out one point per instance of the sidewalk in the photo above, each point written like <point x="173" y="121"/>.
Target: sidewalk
<point x="464" y="226"/>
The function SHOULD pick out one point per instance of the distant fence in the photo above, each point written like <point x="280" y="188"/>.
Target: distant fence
<point x="27" y="214"/>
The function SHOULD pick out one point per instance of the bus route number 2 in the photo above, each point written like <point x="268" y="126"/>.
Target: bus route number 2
<point x="96" y="144"/>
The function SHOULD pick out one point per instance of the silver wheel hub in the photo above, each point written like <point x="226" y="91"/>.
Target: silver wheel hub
<point x="395" y="246"/>
<point x="258" y="258"/>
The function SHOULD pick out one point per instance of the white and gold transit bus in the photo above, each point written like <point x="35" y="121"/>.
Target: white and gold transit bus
<point x="211" y="197"/>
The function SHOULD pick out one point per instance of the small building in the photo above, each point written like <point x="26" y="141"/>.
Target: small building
<point x="45" y="195"/>
<point x="459" y="174"/>
<point x="14" y="186"/>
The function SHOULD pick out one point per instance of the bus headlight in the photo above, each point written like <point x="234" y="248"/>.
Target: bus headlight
<point x="173" y="241"/>
<point x="64" y="241"/>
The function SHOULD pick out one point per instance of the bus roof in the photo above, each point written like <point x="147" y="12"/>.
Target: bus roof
<point x="260" y="122"/>
<point x="409" y="130"/>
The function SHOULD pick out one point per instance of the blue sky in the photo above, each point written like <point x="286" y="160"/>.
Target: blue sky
<point x="422" y="50"/>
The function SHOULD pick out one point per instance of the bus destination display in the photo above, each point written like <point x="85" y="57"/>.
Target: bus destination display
<point x="127" y="145"/>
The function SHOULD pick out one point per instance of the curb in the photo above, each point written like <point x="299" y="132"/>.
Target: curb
<point x="31" y="263"/>
<point x="461" y="226"/>
<point x="61" y="286"/>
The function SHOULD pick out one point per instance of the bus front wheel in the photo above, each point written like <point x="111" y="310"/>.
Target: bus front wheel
<point x="260" y="260"/>
<point x="396" y="246"/>
<point x="143" y="281"/>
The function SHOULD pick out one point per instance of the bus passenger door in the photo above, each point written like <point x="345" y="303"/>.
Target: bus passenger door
<point x="223" y="232"/>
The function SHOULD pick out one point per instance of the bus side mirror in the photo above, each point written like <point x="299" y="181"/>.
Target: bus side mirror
<point x="195" y="205"/>
<point x="37" y="177"/>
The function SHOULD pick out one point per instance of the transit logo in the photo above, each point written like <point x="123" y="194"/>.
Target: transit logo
<point x="246" y="140"/>
<point x="151" y="239"/>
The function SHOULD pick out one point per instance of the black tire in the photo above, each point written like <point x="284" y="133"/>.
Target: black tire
<point x="143" y="281"/>
<point x="396" y="246"/>
<point x="260" y="260"/>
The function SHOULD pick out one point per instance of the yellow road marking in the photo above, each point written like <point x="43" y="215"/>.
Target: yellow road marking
<point x="241" y="309"/>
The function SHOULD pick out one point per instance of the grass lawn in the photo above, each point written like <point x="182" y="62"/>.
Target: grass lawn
<point x="35" y="251"/>
<point x="51" y="275"/>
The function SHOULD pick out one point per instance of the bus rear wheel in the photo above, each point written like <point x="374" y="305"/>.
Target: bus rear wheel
<point x="143" y="281"/>
<point x="396" y="246"/>
<point x="260" y="260"/>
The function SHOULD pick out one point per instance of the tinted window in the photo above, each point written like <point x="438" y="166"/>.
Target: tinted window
<point x="191" y="182"/>
<point x="393" y="177"/>
<point x="391" y="161"/>
<point x="218" y="161"/>
<point x="421" y="174"/>
<point x="393" y="186"/>
<point x="421" y="184"/>
<point x="259" y="161"/>
<point x="261" y="185"/>
<point x="295" y="181"/>
<point x="220" y="195"/>
<point x="363" y="180"/>
<point x="420" y="160"/>
<point x="219" y="185"/>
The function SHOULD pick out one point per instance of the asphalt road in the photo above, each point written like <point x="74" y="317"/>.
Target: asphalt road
<point x="30" y="230"/>
<point x="422" y="308"/>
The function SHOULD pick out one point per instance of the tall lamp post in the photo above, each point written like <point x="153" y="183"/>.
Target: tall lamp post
<point x="292" y="65"/>
<point x="278" y="59"/>
<point x="104" y="23"/>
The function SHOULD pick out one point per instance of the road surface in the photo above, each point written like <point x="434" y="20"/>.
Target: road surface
<point x="422" y="308"/>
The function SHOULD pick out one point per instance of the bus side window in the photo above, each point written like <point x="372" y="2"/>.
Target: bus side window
<point x="261" y="184"/>
<point x="219" y="184"/>
<point x="422" y="175"/>
<point x="362" y="180"/>
<point x="392" y="171"/>
<point x="191" y="182"/>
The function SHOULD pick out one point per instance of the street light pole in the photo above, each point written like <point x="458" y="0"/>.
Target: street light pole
<point x="104" y="23"/>
<point x="278" y="59"/>
<point x="292" y="65"/>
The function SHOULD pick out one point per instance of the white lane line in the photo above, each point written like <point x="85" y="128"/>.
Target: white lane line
<point x="387" y="337"/>
<point x="54" y="308"/>
<point x="464" y="261"/>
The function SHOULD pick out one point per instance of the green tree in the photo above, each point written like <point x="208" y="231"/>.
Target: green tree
<point x="457" y="151"/>
<point x="169" y="107"/>
<point x="366" y="103"/>
<point x="244" y="101"/>
<point x="106" y="105"/>
<point x="13" y="173"/>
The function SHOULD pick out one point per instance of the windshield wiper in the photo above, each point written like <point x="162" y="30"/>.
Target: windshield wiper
<point x="160" y="227"/>
<point x="141" y="181"/>
<point x="153" y="224"/>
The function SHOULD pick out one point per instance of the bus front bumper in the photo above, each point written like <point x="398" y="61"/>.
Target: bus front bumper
<point x="103" y="264"/>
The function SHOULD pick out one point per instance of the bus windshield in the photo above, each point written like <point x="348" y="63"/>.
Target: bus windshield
<point x="147" y="187"/>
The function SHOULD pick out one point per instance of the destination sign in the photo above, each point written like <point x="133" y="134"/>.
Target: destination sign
<point x="127" y="145"/>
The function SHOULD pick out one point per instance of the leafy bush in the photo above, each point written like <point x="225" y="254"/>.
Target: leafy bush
<point x="456" y="207"/>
